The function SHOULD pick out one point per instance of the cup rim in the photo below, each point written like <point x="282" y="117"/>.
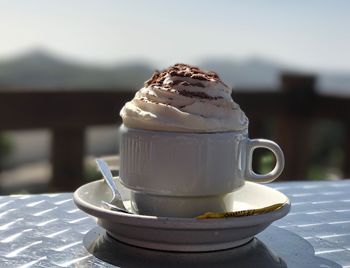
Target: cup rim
<point x="123" y="127"/>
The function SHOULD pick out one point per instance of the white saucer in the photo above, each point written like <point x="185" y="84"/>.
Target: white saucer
<point x="184" y="234"/>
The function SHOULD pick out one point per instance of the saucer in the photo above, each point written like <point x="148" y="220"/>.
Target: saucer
<point x="183" y="234"/>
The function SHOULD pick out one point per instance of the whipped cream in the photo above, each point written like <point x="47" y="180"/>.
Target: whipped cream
<point x="186" y="99"/>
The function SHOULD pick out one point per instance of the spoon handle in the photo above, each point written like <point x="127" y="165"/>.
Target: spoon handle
<point x="108" y="177"/>
<point x="114" y="207"/>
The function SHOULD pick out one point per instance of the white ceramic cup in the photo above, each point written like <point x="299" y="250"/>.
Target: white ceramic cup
<point x="186" y="174"/>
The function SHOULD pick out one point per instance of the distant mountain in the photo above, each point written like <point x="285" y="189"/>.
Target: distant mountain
<point x="259" y="73"/>
<point x="336" y="83"/>
<point x="42" y="70"/>
<point x="251" y="73"/>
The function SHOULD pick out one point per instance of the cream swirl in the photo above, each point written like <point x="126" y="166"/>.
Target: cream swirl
<point x="186" y="99"/>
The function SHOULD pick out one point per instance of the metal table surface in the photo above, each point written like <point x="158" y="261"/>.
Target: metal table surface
<point x="49" y="231"/>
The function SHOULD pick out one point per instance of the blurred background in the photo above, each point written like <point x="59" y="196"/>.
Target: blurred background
<point x="67" y="67"/>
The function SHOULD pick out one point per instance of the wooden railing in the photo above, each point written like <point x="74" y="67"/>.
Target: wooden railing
<point x="68" y="113"/>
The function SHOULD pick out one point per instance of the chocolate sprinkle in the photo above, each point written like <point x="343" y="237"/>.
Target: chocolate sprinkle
<point x="183" y="70"/>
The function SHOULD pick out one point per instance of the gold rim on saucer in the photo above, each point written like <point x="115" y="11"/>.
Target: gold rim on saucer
<point x="241" y="213"/>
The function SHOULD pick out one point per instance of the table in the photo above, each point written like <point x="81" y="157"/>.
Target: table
<point x="49" y="231"/>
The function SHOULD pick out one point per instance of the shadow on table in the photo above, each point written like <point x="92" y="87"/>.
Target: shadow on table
<point x="293" y="249"/>
<point x="273" y="248"/>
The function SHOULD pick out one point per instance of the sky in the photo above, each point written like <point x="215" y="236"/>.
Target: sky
<point x="311" y="34"/>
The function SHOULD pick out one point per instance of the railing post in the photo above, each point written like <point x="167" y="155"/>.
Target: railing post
<point x="67" y="158"/>
<point x="294" y="126"/>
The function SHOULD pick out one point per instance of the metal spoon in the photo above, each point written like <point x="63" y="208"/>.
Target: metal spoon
<point x="116" y="202"/>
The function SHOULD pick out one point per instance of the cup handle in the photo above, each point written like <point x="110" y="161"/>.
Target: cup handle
<point x="275" y="149"/>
